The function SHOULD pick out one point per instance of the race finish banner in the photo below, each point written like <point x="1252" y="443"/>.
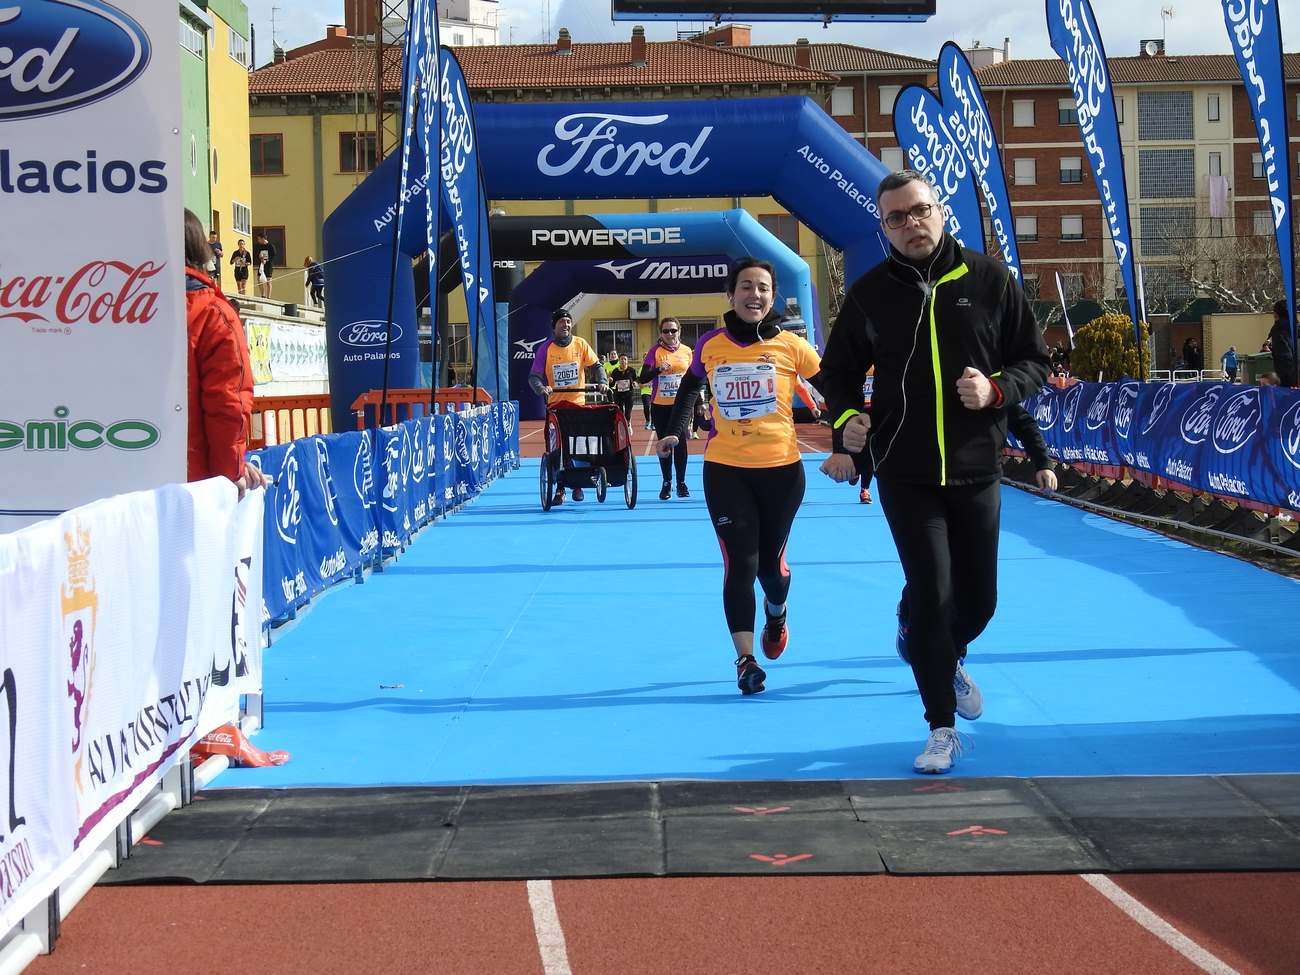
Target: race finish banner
<point x="1255" y="30"/>
<point x="970" y="125"/>
<point x="1076" y="40"/>
<point x="931" y="149"/>
<point x="92" y="313"/>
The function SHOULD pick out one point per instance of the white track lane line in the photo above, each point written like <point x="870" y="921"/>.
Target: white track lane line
<point x="532" y="434"/>
<point x="546" y="924"/>
<point x="1157" y="925"/>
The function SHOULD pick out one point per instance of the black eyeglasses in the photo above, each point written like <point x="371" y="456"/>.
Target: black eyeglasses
<point x="899" y="218"/>
<point x="668" y="331"/>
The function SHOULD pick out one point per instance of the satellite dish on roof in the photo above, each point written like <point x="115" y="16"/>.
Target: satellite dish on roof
<point x="1152" y="48"/>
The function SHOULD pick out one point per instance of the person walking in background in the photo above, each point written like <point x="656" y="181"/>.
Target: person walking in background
<point x="623" y="382"/>
<point x="753" y="474"/>
<point x="647" y="394"/>
<point x="241" y="260"/>
<point x="664" y="366"/>
<point x="1279" y="340"/>
<point x="1229" y="362"/>
<point x="954" y="345"/>
<point x="220" y="374"/>
<point x="315" y="282"/>
<point x="265" y="254"/>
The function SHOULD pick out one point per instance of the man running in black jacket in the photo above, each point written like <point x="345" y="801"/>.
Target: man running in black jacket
<point x="954" y="343"/>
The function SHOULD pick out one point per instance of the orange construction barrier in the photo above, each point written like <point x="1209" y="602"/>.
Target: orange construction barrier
<point x="279" y="419"/>
<point x="408" y="404"/>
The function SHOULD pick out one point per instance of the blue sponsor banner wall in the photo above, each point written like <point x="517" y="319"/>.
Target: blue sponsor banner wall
<point x="342" y="501"/>
<point x="1239" y="442"/>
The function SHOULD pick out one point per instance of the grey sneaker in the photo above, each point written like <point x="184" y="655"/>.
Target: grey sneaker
<point x="970" y="702"/>
<point x="941" y="750"/>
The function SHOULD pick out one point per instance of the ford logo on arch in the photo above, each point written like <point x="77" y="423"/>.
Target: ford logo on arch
<point x="62" y="54"/>
<point x="368" y="334"/>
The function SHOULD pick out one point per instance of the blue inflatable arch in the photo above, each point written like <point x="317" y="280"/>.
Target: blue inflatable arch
<point x="786" y="148"/>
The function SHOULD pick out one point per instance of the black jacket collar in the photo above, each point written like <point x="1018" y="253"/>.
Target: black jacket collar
<point x="946" y="257"/>
<point x="746" y="333"/>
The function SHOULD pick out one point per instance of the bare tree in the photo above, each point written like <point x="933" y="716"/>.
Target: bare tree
<point x="1241" y="273"/>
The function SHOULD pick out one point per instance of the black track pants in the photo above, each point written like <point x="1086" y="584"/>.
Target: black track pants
<point x="752" y="509"/>
<point x="662" y="414"/>
<point x="947" y="540"/>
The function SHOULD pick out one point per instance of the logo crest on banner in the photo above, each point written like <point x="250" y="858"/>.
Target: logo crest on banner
<point x="62" y="56"/>
<point x="368" y="335"/>
<point x="288" y="498"/>
<point x="1238" y="422"/>
<point x="393" y="472"/>
<point x="418" y="453"/>
<point x="1047" y="410"/>
<point x="462" y="441"/>
<point x="1125" y="408"/>
<point x="1099" y="408"/>
<point x="363" y="478"/>
<point x="1164" y="396"/>
<point x="1195" y="425"/>
<point x="326" y="479"/>
<point x="1071" y="409"/>
<point x="1289" y="435"/>
<point x="79" y="608"/>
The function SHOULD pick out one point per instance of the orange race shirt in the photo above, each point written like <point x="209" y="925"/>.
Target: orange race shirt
<point x="562" y="367"/>
<point x="752" y="385"/>
<point x="674" y="366"/>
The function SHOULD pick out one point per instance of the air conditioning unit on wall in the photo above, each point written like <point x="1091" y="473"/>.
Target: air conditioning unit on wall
<point x="643" y="308"/>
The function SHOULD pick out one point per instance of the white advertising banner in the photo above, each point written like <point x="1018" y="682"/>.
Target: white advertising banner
<point x="92" y="306"/>
<point x="124" y="636"/>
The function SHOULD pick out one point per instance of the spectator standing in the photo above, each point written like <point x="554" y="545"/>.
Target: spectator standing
<point x="1229" y="362"/>
<point x="220" y="374"/>
<point x="1279" y="337"/>
<point x="214" y="245"/>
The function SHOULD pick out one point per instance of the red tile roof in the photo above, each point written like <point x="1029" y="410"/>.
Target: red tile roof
<point x="844" y="58"/>
<point x="668" y="63"/>
<point x="1050" y="72"/>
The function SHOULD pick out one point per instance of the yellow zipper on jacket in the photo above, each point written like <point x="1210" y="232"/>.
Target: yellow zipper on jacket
<point x="952" y="275"/>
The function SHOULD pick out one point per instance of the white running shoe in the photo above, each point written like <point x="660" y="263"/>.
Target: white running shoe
<point x="941" y="750"/>
<point x="970" y="702"/>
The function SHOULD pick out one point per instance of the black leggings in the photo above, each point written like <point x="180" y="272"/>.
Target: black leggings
<point x="624" y="402"/>
<point x="947" y="540"/>
<point x="662" y="414"/>
<point x="645" y="406"/>
<point x="752" y="509"/>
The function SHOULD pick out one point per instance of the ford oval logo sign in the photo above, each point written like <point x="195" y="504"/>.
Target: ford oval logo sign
<point x="368" y="335"/>
<point x="62" y="54"/>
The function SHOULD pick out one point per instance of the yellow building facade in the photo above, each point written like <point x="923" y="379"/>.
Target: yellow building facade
<point x="232" y="185"/>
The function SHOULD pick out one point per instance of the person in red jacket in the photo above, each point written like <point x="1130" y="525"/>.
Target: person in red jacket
<point x="220" y="373"/>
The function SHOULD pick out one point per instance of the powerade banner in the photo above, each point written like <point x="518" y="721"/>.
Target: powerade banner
<point x="1241" y="442"/>
<point x="1075" y="38"/>
<point x="467" y="205"/>
<point x="971" y="126"/>
<point x="717" y="237"/>
<point x="330" y="512"/>
<point x="89" y="116"/>
<point x="931" y="149"/>
<point x="1256" y="32"/>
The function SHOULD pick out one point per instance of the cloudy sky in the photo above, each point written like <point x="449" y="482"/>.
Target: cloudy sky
<point x="1196" y="26"/>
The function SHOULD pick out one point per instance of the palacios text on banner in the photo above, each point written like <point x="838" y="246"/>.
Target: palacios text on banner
<point x="466" y="202"/>
<point x="921" y="126"/>
<point x="971" y="127"/>
<point x="1077" y="41"/>
<point x="1255" y="29"/>
<point x="92" y="309"/>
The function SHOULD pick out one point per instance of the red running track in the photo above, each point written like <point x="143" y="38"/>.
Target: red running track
<point x="900" y="925"/>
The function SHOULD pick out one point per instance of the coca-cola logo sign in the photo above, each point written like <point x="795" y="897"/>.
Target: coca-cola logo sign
<point x="368" y="334"/>
<point x="64" y="54"/>
<point x="97" y="293"/>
